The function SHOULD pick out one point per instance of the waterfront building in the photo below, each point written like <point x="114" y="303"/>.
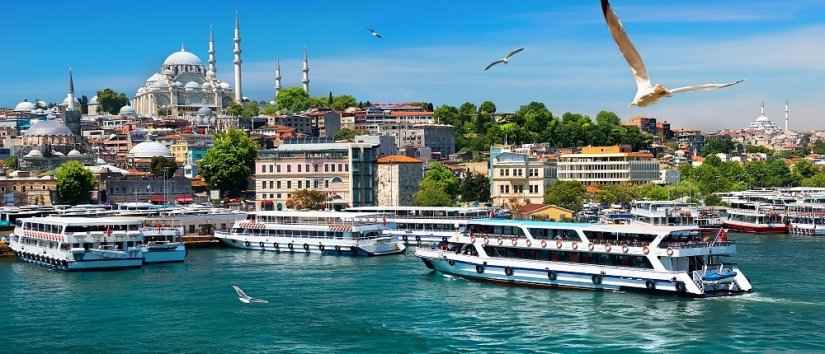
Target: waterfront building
<point x="600" y="165"/>
<point x="345" y="172"/>
<point x="520" y="179"/>
<point x="145" y="188"/>
<point x="22" y="188"/>
<point x="398" y="180"/>
<point x="543" y="212"/>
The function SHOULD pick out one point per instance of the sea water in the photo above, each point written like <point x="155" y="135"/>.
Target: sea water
<point x="395" y="304"/>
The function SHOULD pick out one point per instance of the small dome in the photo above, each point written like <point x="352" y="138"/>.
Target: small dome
<point x="100" y="161"/>
<point x="127" y="110"/>
<point x="93" y="100"/>
<point x="34" y="154"/>
<point x="191" y="85"/>
<point x="140" y="91"/>
<point x="182" y="57"/>
<point x="206" y="85"/>
<point x="224" y="85"/>
<point x="177" y="84"/>
<point x="24" y="106"/>
<point x="67" y="99"/>
<point x="48" y="128"/>
<point x="74" y="153"/>
<point x="149" y="149"/>
<point x="57" y="153"/>
<point x="204" y="111"/>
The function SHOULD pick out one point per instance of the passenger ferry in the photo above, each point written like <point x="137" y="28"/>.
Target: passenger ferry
<point x="667" y="259"/>
<point x="425" y="225"/>
<point x="78" y="243"/>
<point x="322" y="232"/>
<point x="9" y="215"/>
<point x="807" y="219"/>
<point x="674" y="213"/>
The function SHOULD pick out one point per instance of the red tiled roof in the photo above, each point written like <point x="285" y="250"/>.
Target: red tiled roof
<point x="396" y="159"/>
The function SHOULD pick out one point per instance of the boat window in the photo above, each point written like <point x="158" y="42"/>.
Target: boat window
<point x="684" y="238"/>
<point x="496" y="231"/>
<point x="554" y="234"/>
<point x="616" y="260"/>
<point x="617" y="238"/>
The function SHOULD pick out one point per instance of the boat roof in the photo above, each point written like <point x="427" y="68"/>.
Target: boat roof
<point x="622" y="228"/>
<point x="422" y="208"/>
<point x="85" y="221"/>
<point x="315" y="214"/>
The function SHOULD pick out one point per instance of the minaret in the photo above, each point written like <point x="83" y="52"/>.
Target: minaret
<point x="212" y="71"/>
<point x="762" y="110"/>
<point x="237" y="52"/>
<point x="70" y="106"/>
<point x="277" y="77"/>
<point x="305" y="70"/>
<point x="787" y="117"/>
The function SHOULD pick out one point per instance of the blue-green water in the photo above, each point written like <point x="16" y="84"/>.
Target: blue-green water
<point x="394" y="304"/>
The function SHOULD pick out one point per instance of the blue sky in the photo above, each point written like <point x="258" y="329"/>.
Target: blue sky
<point x="435" y="50"/>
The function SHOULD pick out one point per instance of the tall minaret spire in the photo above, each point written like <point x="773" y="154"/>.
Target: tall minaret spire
<point x="277" y="77"/>
<point x="305" y="70"/>
<point x="787" y="116"/>
<point x="762" y="110"/>
<point x="70" y="106"/>
<point x="212" y="70"/>
<point x="237" y="52"/>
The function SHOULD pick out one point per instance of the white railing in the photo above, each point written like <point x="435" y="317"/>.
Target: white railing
<point x="697" y="279"/>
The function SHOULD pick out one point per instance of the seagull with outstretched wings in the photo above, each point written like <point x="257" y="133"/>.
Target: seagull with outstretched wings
<point x="374" y="33"/>
<point x="505" y="60"/>
<point x="243" y="297"/>
<point x="646" y="93"/>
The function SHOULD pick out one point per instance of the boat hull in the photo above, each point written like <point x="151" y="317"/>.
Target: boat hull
<point x="85" y="265"/>
<point x="330" y="247"/>
<point x="756" y="228"/>
<point x="164" y="254"/>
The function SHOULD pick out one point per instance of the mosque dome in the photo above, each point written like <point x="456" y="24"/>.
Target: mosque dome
<point x="191" y="85"/>
<point x="34" y="154"/>
<point x="182" y="57"/>
<point x="224" y="85"/>
<point x="24" y="106"/>
<point x="67" y="99"/>
<point x="58" y="153"/>
<point x="74" y="153"/>
<point x="93" y="100"/>
<point x="127" y="110"/>
<point x="149" y="149"/>
<point x="48" y="128"/>
<point x="177" y="84"/>
<point x="100" y="161"/>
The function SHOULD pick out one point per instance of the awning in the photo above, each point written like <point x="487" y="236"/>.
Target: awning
<point x="183" y="199"/>
<point x="158" y="198"/>
<point x="267" y="202"/>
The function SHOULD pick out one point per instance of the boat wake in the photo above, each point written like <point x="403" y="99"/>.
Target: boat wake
<point x="758" y="298"/>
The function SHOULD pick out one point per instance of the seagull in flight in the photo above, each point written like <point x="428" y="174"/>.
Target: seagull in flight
<point x="646" y="93"/>
<point x="505" y="60"/>
<point x="374" y="33"/>
<point x="243" y="297"/>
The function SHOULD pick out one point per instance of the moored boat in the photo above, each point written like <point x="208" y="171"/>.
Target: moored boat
<point x="666" y="259"/>
<point x="416" y="225"/>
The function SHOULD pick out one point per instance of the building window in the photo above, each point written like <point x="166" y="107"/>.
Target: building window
<point x="326" y="168"/>
<point x="288" y="184"/>
<point x="278" y="183"/>
<point x="299" y="167"/>
<point x="288" y="168"/>
<point x="299" y="182"/>
<point x="278" y="168"/>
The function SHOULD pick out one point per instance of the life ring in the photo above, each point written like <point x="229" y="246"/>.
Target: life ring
<point x="625" y="249"/>
<point x="609" y="247"/>
<point x="575" y="245"/>
<point x="246" y="243"/>
<point x="306" y="247"/>
<point x="404" y="237"/>
<point x="443" y="239"/>
<point x="680" y="287"/>
<point x="551" y="275"/>
<point x="417" y="238"/>
<point x="275" y="245"/>
<point x="500" y="241"/>
<point x="669" y="251"/>
<point x="473" y="239"/>
<point x="597" y="279"/>
<point x="591" y="247"/>
<point x="479" y="269"/>
<point x="543" y="243"/>
<point x="486" y="241"/>
<point x="650" y="285"/>
<point x="645" y="250"/>
<point x="290" y="246"/>
<point x="261" y="244"/>
<point x="451" y="262"/>
<point x="508" y="271"/>
<point x="338" y="250"/>
<point x="514" y="241"/>
<point x="558" y="244"/>
<point x="529" y="243"/>
<point x="321" y="247"/>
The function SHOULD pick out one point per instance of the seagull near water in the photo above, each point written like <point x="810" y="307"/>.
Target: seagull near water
<point x="646" y="93"/>
<point x="243" y="297"/>
<point x="374" y="33"/>
<point x="505" y="60"/>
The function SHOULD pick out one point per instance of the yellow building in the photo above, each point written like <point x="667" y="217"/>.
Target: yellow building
<point x="543" y="212"/>
<point x="179" y="151"/>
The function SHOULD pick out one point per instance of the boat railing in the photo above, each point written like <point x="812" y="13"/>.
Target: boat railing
<point x="695" y="244"/>
<point x="697" y="275"/>
<point x="315" y="237"/>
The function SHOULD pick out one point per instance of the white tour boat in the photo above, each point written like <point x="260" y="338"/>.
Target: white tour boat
<point x="674" y="213"/>
<point x="807" y="219"/>
<point x="425" y="225"/>
<point x="163" y="245"/>
<point x="322" y="232"/>
<point x="79" y="243"/>
<point x="591" y="256"/>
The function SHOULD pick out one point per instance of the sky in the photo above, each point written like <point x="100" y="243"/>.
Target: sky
<point x="435" y="51"/>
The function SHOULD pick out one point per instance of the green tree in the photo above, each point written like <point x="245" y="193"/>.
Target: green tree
<point x="229" y="162"/>
<point x="307" y="199"/>
<point x="442" y="176"/>
<point x="235" y="110"/>
<point x="566" y="194"/>
<point x="719" y="144"/>
<point x="432" y="194"/>
<point x="804" y="169"/>
<point x="345" y="134"/>
<point x="817" y="180"/>
<point x="617" y="194"/>
<point x="74" y="182"/>
<point x="10" y="163"/>
<point x="439" y="187"/>
<point x="110" y="101"/>
<point x="161" y="166"/>
<point x="475" y="187"/>
<point x="250" y="109"/>
<point x="819" y="147"/>
<point x="292" y="100"/>
<point x="340" y="103"/>
<point x="269" y="110"/>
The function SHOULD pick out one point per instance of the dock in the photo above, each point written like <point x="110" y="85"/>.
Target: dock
<point x="201" y="241"/>
<point x="5" y="251"/>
